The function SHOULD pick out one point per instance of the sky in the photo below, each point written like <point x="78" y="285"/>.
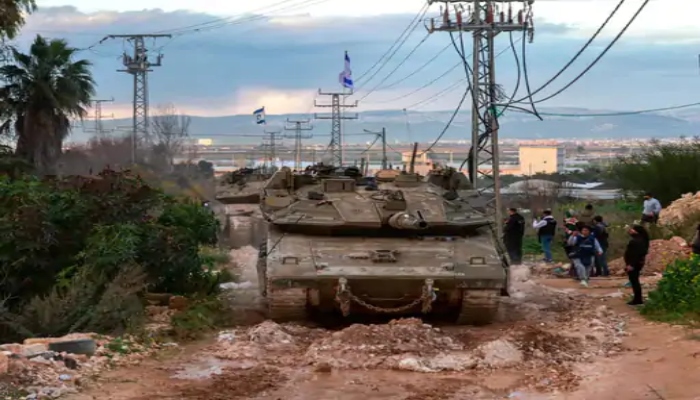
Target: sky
<point x="278" y="54"/>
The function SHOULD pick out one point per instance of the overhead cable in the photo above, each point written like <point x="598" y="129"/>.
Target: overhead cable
<point x="601" y="55"/>
<point x="577" y="55"/>
<point x="384" y="59"/>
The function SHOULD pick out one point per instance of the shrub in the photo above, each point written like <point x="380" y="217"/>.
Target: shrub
<point x="76" y="252"/>
<point x="677" y="295"/>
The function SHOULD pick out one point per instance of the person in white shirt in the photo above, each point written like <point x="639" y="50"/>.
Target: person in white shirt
<point x="651" y="209"/>
<point x="546" y="229"/>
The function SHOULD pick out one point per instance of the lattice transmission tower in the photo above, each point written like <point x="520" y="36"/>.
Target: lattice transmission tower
<point x="484" y="19"/>
<point x="298" y="126"/>
<point x="335" y="147"/>
<point x="139" y="65"/>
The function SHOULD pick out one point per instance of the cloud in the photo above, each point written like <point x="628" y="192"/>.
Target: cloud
<point x="281" y="62"/>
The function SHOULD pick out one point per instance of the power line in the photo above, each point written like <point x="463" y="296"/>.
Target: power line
<point x="617" y="113"/>
<point x="578" y="54"/>
<point x="419" y="69"/>
<point x="384" y="59"/>
<point x="601" y="55"/>
<point x="396" y="68"/>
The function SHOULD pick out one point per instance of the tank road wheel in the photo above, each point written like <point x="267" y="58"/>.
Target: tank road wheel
<point x="286" y="305"/>
<point x="479" y="307"/>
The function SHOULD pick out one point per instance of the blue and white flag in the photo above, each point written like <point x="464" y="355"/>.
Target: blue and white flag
<point x="259" y="116"/>
<point x="345" y="77"/>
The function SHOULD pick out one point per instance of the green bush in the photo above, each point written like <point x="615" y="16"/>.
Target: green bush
<point x="76" y="252"/>
<point x="677" y="295"/>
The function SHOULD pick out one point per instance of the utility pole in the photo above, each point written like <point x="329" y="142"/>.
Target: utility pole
<point x="271" y="141"/>
<point x="485" y="19"/>
<point x="139" y="66"/>
<point x="298" y="127"/>
<point x="99" y="128"/>
<point x="382" y="136"/>
<point x="336" y="146"/>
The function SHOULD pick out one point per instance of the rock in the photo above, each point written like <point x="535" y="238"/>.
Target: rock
<point x="14" y="348"/>
<point x="32" y="350"/>
<point x="178" y="303"/>
<point x="4" y="364"/>
<point x="500" y="353"/>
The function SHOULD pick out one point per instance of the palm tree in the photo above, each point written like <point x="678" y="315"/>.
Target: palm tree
<point x="42" y="91"/>
<point x="12" y="13"/>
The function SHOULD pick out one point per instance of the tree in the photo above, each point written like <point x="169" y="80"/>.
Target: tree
<point x="12" y="13"/>
<point x="170" y="130"/>
<point x="668" y="170"/>
<point x="43" y="90"/>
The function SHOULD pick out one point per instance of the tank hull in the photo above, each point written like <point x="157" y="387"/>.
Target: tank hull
<point x="424" y="277"/>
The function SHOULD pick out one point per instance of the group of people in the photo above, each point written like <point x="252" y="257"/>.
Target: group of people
<point x="585" y="241"/>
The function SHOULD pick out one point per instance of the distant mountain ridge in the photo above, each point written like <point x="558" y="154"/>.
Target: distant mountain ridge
<point x="426" y="126"/>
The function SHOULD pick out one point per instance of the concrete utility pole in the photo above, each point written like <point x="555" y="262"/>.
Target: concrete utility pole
<point x="271" y="141"/>
<point x="139" y="66"/>
<point x="298" y="127"/>
<point x="382" y="136"/>
<point x="336" y="145"/>
<point x="99" y="128"/>
<point x="485" y="19"/>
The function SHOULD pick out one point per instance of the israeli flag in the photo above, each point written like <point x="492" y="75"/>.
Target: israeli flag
<point x="259" y="116"/>
<point x="345" y="77"/>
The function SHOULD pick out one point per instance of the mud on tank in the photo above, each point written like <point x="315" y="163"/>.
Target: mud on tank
<point x="396" y="246"/>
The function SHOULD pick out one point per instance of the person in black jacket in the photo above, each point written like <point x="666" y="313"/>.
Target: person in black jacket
<point x="635" y="256"/>
<point x="513" y="232"/>
<point x="695" y="243"/>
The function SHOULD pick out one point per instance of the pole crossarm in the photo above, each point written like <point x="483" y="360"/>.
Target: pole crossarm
<point x="484" y="19"/>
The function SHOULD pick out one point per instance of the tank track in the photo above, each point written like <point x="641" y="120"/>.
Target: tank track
<point x="479" y="307"/>
<point x="286" y="305"/>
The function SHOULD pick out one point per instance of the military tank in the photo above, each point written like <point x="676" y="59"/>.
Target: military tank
<point x="242" y="186"/>
<point x="398" y="245"/>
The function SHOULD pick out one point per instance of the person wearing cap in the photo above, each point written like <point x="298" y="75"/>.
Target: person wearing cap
<point x="546" y="228"/>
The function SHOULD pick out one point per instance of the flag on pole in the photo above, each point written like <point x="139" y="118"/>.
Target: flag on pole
<point x="260" y="116"/>
<point x="345" y="77"/>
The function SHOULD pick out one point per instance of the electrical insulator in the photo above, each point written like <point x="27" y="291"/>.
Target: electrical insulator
<point x="489" y="14"/>
<point x="432" y="25"/>
<point x="510" y="13"/>
<point x="459" y="18"/>
<point x="520" y="17"/>
<point x="446" y="16"/>
<point x="503" y="17"/>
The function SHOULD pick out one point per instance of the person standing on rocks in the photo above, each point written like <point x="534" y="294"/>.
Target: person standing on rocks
<point x="546" y="228"/>
<point x="585" y="248"/>
<point x="651" y="209"/>
<point x="635" y="257"/>
<point x="513" y="233"/>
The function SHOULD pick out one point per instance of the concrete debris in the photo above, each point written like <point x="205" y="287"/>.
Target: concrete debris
<point x="499" y="353"/>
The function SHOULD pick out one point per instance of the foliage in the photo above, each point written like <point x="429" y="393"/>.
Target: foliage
<point x="677" y="295"/>
<point x="200" y="317"/>
<point x="43" y="90"/>
<point x="668" y="170"/>
<point x="77" y="252"/>
<point x="12" y="16"/>
<point x="170" y="129"/>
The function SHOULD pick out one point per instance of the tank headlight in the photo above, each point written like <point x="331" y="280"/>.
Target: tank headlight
<point x="477" y="261"/>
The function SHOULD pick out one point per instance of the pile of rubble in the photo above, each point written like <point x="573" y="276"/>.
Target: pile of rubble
<point x="661" y="253"/>
<point x="52" y="367"/>
<point x="679" y="211"/>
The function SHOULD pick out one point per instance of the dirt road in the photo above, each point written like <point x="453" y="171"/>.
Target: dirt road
<point x="554" y="341"/>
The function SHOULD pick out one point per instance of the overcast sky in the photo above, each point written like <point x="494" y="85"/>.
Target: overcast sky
<point x="280" y="61"/>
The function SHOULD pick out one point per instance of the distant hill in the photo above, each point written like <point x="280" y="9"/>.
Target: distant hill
<point x="425" y="126"/>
